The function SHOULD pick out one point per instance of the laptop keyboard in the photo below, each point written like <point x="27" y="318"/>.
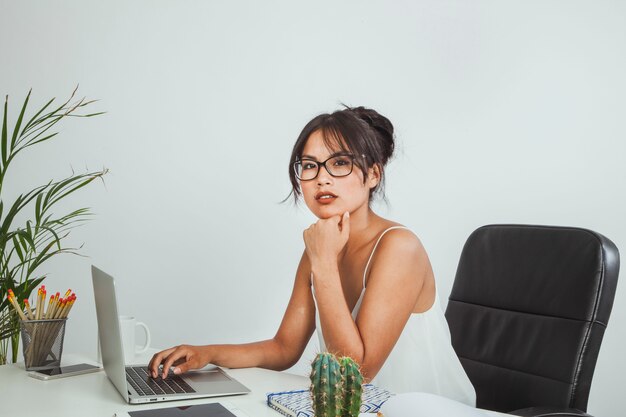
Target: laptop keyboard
<point x="139" y="378"/>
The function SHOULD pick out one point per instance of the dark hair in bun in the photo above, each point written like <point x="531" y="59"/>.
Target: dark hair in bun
<point x="363" y="132"/>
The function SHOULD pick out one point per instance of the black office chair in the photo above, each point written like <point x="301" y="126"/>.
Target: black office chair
<point x="527" y="314"/>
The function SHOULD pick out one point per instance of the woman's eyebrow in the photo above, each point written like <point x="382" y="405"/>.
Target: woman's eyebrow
<point x="332" y="155"/>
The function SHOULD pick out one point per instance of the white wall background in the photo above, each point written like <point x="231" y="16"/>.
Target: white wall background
<point x="506" y="111"/>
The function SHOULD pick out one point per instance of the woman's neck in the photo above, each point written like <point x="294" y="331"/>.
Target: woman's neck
<point x="361" y="222"/>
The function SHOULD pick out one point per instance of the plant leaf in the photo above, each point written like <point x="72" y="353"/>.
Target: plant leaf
<point x="30" y="122"/>
<point x="18" y="124"/>
<point x="17" y="246"/>
<point x="19" y="203"/>
<point x="4" y="229"/>
<point x="4" y="132"/>
<point x="71" y="185"/>
<point x="26" y="237"/>
<point x="42" y="256"/>
<point x="56" y="240"/>
<point x="38" y="131"/>
<point x="38" y="208"/>
<point x="50" y="114"/>
<point x="31" y="142"/>
<point x="87" y="115"/>
<point x="24" y="289"/>
<point x="72" y="189"/>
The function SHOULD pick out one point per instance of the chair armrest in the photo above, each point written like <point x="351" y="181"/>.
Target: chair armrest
<point x="549" y="412"/>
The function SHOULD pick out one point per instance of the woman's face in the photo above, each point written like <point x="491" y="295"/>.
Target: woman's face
<point x="328" y="196"/>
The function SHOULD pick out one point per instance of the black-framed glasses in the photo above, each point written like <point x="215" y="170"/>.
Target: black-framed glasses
<point x="336" y="166"/>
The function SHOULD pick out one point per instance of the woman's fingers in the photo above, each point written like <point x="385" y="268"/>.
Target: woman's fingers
<point x="184" y="367"/>
<point x="183" y="358"/>
<point x="157" y="359"/>
<point x="180" y="356"/>
<point x="345" y="225"/>
<point x="326" y="238"/>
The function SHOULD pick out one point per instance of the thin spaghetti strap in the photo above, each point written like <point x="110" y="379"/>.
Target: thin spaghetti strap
<point x="374" y="250"/>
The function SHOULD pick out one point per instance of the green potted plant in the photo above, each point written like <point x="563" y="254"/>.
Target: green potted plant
<point x="24" y="247"/>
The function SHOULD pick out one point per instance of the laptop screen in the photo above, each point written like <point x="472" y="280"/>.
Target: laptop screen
<point x="109" y="329"/>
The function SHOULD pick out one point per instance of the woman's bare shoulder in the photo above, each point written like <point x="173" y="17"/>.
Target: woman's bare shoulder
<point x="399" y="249"/>
<point x="399" y="237"/>
<point x="399" y="261"/>
<point x="401" y="241"/>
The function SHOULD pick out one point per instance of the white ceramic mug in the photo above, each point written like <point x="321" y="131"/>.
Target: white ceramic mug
<point x="128" y="328"/>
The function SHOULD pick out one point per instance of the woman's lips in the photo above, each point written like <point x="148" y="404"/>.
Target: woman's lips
<point x="325" y="197"/>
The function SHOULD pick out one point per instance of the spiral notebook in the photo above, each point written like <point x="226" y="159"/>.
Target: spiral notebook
<point x="298" y="403"/>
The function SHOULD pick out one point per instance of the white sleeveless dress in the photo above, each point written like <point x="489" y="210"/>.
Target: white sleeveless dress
<point x="422" y="359"/>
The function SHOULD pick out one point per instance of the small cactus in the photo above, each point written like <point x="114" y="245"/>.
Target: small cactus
<point x="353" y="386"/>
<point x="336" y="386"/>
<point x="326" y="386"/>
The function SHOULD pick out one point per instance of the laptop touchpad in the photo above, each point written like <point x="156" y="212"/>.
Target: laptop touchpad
<point x="203" y="377"/>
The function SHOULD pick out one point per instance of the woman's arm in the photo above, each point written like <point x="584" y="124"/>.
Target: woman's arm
<point x="278" y="353"/>
<point x="397" y="273"/>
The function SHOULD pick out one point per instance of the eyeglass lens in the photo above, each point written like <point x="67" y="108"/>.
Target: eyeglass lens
<point x="338" y="166"/>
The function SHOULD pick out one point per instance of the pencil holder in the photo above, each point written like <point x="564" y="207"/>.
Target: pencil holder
<point x="42" y="343"/>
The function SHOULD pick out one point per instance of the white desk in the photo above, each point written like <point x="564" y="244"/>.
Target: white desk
<point x="93" y="395"/>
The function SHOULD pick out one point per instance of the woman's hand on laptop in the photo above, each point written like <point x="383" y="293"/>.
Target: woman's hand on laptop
<point x="181" y="358"/>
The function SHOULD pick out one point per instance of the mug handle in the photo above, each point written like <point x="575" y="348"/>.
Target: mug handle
<point x="148" y="339"/>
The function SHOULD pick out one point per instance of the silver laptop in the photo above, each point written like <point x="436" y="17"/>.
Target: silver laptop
<point x="134" y="382"/>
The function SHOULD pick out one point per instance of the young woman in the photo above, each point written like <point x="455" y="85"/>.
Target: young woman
<point x="364" y="282"/>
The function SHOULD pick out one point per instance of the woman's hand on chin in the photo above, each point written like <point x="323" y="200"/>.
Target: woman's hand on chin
<point x="325" y="239"/>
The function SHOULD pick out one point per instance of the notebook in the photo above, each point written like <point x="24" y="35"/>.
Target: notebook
<point x="133" y="382"/>
<point x="298" y="403"/>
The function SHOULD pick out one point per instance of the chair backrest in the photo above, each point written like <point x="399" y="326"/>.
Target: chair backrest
<point x="527" y="313"/>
